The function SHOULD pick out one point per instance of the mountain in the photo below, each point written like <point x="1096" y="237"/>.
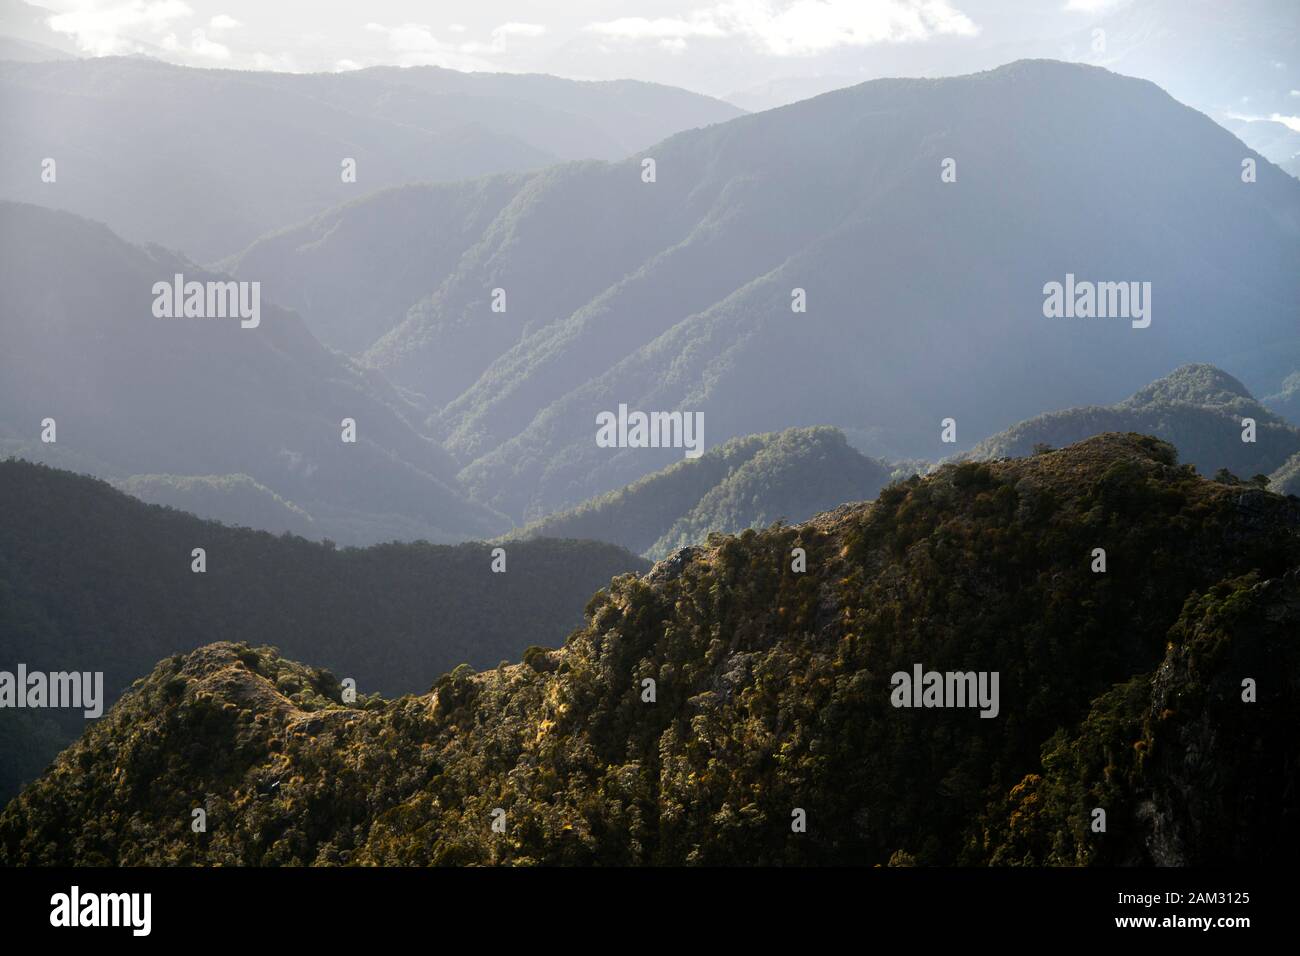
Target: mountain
<point x="1286" y="480"/>
<point x="93" y="580"/>
<point x="12" y="48"/>
<point x="775" y="702"/>
<point x="677" y="294"/>
<point x="342" y="273"/>
<point x="1196" y="408"/>
<point x="25" y="34"/>
<point x="786" y="90"/>
<point x="206" y="161"/>
<point x="231" y="499"/>
<point x="1270" y="138"/>
<point x="132" y="394"/>
<point x="1286" y="401"/>
<point x="747" y="482"/>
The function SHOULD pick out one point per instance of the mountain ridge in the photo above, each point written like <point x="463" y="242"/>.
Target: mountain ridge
<point x="92" y="579"/>
<point x="771" y="697"/>
<point x="841" y="195"/>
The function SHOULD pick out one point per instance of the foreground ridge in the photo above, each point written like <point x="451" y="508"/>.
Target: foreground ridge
<point x="730" y="707"/>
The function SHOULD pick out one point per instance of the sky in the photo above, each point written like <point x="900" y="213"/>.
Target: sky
<point x="1230" y="56"/>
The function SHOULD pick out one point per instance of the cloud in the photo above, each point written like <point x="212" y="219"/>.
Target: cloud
<point x="199" y="46"/>
<point x="1091" y="6"/>
<point x="111" y="29"/>
<point x="663" y="28"/>
<point x="416" y="44"/>
<point x="1290" y="122"/>
<point x="515" y="29"/>
<point x="277" y="62"/>
<point x="798" y="27"/>
<point x="223" y="22"/>
<point x="408" y="38"/>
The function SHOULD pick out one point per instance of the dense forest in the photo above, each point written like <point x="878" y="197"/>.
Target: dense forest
<point x="94" y="580"/>
<point x="230" y="499"/>
<point x="747" y="482"/>
<point x="1121" y="689"/>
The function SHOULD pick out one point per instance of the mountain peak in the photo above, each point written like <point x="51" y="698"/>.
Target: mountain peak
<point x="1197" y="384"/>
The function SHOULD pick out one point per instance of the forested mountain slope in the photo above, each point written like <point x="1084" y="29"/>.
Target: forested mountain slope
<point x="773" y="702"/>
<point x="94" y="580"/>
<point x="747" y="482"/>
<point x="678" y="293"/>
<point x="1199" y="409"/>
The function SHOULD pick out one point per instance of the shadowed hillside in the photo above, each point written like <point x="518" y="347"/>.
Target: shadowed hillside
<point x="93" y="580"/>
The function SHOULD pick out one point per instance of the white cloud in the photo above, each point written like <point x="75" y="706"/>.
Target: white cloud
<point x="223" y="22"/>
<point x="199" y="46"/>
<point x="416" y="44"/>
<point x="515" y="29"/>
<point x="408" y="38"/>
<point x="277" y="62"/>
<point x="663" y="28"/>
<point x="799" y="27"/>
<point x="1091" y="6"/>
<point x="108" y="29"/>
<point x="1290" y="122"/>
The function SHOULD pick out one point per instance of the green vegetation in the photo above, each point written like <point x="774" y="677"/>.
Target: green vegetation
<point x="1286" y="401"/>
<point x="1186" y="771"/>
<point x="230" y="499"/>
<point x="1286" y="480"/>
<point x="94" y="580"/>
<point x="1196" y="408"/>
<point x="748" y="482"/>
<point x="772" y="693"/>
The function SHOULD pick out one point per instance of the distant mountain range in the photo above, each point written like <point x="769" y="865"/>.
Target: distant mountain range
<point x="489" y="322"/>
<point x="1198" y="409"/>
<point x="206" y="161"/>
<point x="677" y="294"/>
<point x="726" y="708"/>
<point x="133" y="394"/>
<point x="93" y="580"/>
